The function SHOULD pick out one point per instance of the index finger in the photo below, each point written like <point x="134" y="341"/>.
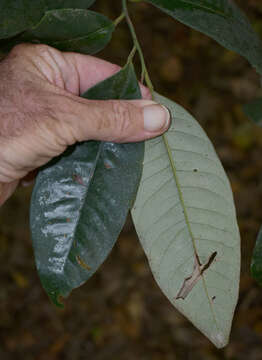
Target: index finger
<point x="92" y="70"/>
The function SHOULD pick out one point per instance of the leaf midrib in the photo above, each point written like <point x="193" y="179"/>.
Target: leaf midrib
<point x="48" y="12"/>
<point x="100" y="30"/>
<point x="174" y="171"/>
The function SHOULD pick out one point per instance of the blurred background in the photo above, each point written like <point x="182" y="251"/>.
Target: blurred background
<point x="121" y="313"/>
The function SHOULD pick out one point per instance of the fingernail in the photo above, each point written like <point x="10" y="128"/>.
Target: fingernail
<point x="156" y="117"/>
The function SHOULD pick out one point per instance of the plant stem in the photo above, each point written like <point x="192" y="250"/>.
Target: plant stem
<point x="131" y="55"/>
<point x="119" y="19"/>
<point x="138" y="47"/>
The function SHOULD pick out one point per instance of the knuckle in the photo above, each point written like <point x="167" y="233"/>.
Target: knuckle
<point x="24" y="48"/>
<point x="33" y="51"/>
<point x="122" y="116"/>
<point x="19" y="49"/>
<point x="61" y="122"/>
<point x="41" y="47"/>
<point x="45" y="50"/>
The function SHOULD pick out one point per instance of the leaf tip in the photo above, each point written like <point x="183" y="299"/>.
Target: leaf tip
<point x="57" y="299"/>
<point x="219" y="339"/>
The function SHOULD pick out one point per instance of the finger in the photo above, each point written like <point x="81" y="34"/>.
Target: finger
<point x="114" y="120"/>
<point x="92" y="70"/>
<point x="77" y="119"/>
<point x="70" y="71"/>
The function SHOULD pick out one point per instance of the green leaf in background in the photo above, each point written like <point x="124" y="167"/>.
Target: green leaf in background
<point x="72" y="30"/>
<point x="80" y="200"/>
<point x="254" y="111"/>
<point x="18" y="15"/>
<point x="68" y="4"/>
<point x="220" y="19"/>
<point x="256" y="263"/>
<point x="185" y="218"/>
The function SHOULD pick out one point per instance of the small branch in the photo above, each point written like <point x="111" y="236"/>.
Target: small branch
<point x="198" y="271"/>
<point x="119" y="19"/>
<point x="131" y="55"/>
<point x="138" y="47"/>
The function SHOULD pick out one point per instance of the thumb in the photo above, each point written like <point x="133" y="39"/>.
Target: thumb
<point x="115" y="120"/>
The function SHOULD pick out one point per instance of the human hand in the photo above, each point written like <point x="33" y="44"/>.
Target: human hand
<point x="41" y="112"/>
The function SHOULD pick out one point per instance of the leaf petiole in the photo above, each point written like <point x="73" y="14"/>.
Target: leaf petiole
<point x="138" y="47"/>
<point x="131" y="55"/>
<point x="119" y="19"/>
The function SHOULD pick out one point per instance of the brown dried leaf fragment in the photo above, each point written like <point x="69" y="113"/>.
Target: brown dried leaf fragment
<point x="78" y="179"/>
<point x="82" y="263"/>
<point x="191" y="281"/>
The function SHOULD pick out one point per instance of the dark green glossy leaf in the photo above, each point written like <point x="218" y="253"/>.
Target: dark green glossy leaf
<point x="256" y="263"/>
<point x="81" y="199"/>
<point x="220" y="19"/>
<point x="68" y="4"/>
<point x="254" y="111"/>
<point x="72" y="30"/>
<point x="18" y="15"/>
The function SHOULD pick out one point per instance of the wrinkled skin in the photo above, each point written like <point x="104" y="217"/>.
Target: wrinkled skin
<point x="41" y="112"/>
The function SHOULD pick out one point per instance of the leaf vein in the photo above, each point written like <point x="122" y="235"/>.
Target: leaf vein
<point x="214" y="241"/>
<point x="160" y="218"/>
<point x="207" y="190"/>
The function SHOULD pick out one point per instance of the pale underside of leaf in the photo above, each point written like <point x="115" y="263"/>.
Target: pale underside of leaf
<point x="185" y="218"/>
